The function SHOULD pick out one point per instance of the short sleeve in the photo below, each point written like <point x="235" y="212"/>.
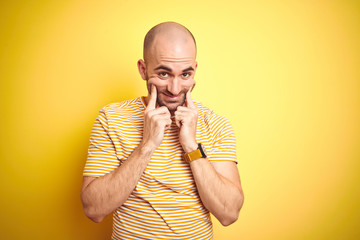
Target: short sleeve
<point x="101" y="157"/>
<point x="224" y="145"/>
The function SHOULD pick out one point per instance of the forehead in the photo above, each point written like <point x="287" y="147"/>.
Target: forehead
<point x="174" y="53"/>
<point x="173" y="65"/>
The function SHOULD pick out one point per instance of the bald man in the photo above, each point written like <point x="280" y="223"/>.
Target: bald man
<point x="162" y="163"/>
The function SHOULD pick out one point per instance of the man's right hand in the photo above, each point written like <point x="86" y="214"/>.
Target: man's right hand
<point x="156" y="121"/>
<point x="103" y="195"/>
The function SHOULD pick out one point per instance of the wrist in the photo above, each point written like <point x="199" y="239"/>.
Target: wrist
<point x="190" y="147"/>
<point x="196" y="154"/>
<point x="146" y="149"/>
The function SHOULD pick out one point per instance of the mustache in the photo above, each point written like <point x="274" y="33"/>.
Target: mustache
<point x="171" y="94"/>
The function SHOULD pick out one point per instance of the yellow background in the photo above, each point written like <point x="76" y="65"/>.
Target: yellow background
<point x="285" y="73"/>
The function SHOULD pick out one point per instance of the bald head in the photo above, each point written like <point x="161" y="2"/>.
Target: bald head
<point x="169" y="32"/>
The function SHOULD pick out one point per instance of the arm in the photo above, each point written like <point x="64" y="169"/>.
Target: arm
<point x="219" y="187"/>
<point x="101" y="196"/>
<point x="218" y="182"/>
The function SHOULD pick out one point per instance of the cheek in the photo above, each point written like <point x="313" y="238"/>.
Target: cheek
<point x="188" y="84"/>
<point x="156" y="81"/>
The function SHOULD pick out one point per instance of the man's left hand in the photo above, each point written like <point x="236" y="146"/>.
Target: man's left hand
<point x="186" y="119"/>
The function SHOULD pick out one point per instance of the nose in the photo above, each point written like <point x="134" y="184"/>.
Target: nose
<point x="174" y="86"/>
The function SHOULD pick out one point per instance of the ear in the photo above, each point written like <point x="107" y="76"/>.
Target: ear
<point x="142" y="68"/>
<point x="196" y="65"/>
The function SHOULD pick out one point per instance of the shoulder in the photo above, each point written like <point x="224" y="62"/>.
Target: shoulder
<point x="121" y="111"/>
<point x="207" y="115"/>
<point x="122" y="108"/>
<point x="123" y="105"/>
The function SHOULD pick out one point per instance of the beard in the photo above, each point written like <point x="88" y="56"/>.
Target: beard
<point x="171" y="105"/>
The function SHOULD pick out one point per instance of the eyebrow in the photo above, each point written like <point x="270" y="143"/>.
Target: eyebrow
<point x="188" y="69"/>
<point x="169" y="69"/>
<point x="164" y="68"/>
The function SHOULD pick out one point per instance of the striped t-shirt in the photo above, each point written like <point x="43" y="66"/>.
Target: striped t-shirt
<point x="165" y="203"/>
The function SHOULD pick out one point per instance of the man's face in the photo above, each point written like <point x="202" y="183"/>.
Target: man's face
<point x="171" y="68"/>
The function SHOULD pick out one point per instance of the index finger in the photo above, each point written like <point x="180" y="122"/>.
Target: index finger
<point x="153" y="96"/>
<point x="189" y="101"/>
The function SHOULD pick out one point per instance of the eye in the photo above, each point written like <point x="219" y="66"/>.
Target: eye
<point x="163" y="74"/>
<point x="186" y="75"/>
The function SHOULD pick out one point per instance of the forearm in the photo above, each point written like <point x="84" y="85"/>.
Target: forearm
<point x="104" y="194"/>
<point x="219" y="195"/>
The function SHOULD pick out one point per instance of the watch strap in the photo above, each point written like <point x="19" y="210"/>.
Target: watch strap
<point x="196" y="154"/>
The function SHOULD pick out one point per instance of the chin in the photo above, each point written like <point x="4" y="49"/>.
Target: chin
<point x="172" y="106"/>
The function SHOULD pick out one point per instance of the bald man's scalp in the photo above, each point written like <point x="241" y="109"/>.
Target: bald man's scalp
<point x="171" y="29"/>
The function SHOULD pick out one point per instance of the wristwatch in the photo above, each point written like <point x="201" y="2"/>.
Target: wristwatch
<point x="198" y="153"/>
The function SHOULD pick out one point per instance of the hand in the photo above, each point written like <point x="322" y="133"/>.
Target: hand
<point x="186" y="119"/>
<point x="156" y="121"/>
